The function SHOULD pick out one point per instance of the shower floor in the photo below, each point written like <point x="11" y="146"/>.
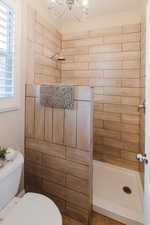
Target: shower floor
<point x="111" y="200"/>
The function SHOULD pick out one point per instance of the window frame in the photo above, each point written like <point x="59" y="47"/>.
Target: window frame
<point x="13" y="103"/>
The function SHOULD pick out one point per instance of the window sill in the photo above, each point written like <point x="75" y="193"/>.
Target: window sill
<point x="9" y="109"/>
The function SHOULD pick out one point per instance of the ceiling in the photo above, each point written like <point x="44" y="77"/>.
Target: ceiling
<point x="99" y="8"/>
<point x="103" y="7"/>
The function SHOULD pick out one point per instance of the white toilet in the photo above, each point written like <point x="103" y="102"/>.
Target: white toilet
<point x="31" y="209"/>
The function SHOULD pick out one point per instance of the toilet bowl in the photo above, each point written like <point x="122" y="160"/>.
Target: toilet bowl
<point x="32" y="208"/>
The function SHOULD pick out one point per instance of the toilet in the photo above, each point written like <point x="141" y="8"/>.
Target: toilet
<point x="32" y="208"/>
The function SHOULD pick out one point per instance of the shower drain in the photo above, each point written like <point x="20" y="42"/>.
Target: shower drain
<point x="127" y="190"/>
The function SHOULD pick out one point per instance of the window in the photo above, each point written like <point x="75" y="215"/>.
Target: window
<point x="7" y="32"/>
<point x="10" y="54"/>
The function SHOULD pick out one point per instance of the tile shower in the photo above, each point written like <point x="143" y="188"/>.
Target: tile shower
<point x="109" y="60"/>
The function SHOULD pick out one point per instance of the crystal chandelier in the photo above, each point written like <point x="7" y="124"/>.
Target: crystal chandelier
<point x="77" y="9"/>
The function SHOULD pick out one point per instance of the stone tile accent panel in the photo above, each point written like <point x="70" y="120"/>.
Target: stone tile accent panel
<point x="57" y="96"/>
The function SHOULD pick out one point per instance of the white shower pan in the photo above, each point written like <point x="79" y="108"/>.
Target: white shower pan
<point x="109" y="197"/>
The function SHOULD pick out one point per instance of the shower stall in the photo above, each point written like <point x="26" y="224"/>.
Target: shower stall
<point x="118" y="193"/>
<point x="112" y="60"/>
<point x="109" y="63"/>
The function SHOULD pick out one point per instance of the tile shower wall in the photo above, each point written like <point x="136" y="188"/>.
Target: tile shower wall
<point x="58" y="159"/>
<point x="110" y="61"/>
<point x="59" y="152"/>
<point x="43" y="40"/>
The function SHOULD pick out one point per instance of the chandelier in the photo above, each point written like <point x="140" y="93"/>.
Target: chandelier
<point x="77" y="9"/>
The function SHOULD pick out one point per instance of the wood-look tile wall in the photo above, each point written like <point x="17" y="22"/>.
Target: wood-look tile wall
<point x="58" y="156"/>
<point x="43" y="40"/>
<point x="109" y="60"/>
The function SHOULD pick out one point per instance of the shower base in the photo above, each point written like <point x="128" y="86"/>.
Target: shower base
<point x="118" y="193"/>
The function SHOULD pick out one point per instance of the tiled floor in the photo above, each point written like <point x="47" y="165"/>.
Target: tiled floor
<point x="96" y="220"/>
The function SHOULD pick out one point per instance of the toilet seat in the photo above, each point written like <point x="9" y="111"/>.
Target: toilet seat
<point x="34" y="209"/>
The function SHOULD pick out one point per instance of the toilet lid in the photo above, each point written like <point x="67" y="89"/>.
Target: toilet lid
<point x="34" y="209"/>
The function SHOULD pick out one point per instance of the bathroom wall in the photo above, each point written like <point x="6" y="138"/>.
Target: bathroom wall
<point x="109" y="60"/>
<point x="8" y="135"/>
<point x="59" y="152"/>
<point x="12" y="122"/>
<point x="42" y="41"/>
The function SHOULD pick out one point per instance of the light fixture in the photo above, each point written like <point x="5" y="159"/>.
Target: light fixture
<point x="77" y="9"/>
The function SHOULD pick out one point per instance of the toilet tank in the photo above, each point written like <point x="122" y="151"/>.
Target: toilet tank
<point x="10" y="175"/>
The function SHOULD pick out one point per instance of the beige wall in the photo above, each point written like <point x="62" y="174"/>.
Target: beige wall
<point x="109" y="60"/>
<point x="85" y="66"/>
<point x="12" y="122"/>
<point x="42" y="41"/>
<point x="12" y="128"/>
